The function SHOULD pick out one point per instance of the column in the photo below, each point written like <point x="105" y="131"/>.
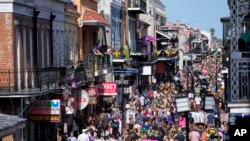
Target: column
<point x="25" y="58"/>
<point x="42" y="48"/>
<point x="31" y="58"/>
<point x="18" y="61"/>
<point x="47" y="48"/>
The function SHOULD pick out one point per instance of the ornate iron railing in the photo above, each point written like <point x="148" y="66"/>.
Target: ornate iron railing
<point x="27" y="79"/>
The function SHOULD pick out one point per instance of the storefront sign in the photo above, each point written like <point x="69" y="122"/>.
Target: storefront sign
<point x="107" y="89"/>
<point x="45" y="118"/>
<point x="44" y="111"/>
<point x="83" y="100"/>
<point x="47" y="110"/>
<point x="92" y="101"/>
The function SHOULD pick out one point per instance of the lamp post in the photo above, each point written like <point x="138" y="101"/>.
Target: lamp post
<point x="216" y="73"/>
<point x="122" y="98"/>
<point x="182" y="106"/>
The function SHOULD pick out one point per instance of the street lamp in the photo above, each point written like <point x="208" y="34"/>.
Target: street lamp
<point x="122" y="96"/>
<point x="218" y="50"/>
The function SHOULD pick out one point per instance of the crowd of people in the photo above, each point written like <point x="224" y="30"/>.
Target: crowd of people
<point x="151" y="114"/>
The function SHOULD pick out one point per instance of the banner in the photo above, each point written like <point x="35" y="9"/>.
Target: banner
<point x="107" y="89"/>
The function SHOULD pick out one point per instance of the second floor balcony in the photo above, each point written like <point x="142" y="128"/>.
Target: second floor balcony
<point x="28" y="82"/>
<point x="137" y="6"/>
<point x="167" y="54"/>
<point x="99" y="64"/>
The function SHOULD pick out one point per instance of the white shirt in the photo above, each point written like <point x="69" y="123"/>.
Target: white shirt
<point x="155" y="94"/>
<point x="190" y="95"/>
<point x="83" y="137"/>
<point x="197" y="100"/>
<point x="142" y="100"/>
<point x="71" y="139"/>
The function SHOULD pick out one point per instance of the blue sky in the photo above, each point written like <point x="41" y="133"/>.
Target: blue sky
<point x="202" y="14"/>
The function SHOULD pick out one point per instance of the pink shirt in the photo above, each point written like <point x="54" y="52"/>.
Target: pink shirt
<point x="194" y="136"/>
<point x="182" y="122"/>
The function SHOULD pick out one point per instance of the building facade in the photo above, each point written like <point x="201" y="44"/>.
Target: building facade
<point x="239" y="73"/>
<point x="33" y="52"/>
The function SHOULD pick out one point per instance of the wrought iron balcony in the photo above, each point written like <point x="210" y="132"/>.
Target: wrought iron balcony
<point x="139" y="50"/>
<point x="97" y="63"/>
<point x="137" y="6"/>
<point x="30" y="81"/>
<point x="167" y="54"/>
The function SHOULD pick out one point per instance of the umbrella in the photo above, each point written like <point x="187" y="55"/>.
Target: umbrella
<point x="148" y="38"/>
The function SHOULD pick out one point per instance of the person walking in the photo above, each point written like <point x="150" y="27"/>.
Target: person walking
<point x="71" y="137"/>
<point x="83" y="136"/>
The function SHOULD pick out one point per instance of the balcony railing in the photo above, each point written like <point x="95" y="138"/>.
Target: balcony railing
<point x="98" y="62"/>
<point x="168" y="53"/>
<point x="102" y="62"/>
<point x="138" y="6"/>
<point x="30" y="80"/>
<point x="80" y="74"/>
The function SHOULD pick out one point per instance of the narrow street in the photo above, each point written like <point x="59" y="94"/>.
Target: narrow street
<point x="124" y="70"/>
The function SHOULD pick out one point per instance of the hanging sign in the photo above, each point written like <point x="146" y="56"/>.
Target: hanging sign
<point x="92" y="91"/>
<point x="107" y="88"/>
<point x="71" y="105"/>
<point x="83" y="100"/>
<point x="92" y="101"/>
<point x="46" y="111"/>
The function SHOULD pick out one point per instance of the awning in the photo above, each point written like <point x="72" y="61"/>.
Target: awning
<point x="90" y="17"/>
<point x="163" y="34"/>
<point x="9" y="124"/>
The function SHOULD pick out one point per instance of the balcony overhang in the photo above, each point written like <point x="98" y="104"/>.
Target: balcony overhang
<point x="166" y="58"/>
<point x="121" y="60"/>
<point x="134" y="53"/>
<point x="163" y="34"/>
<point x="149" y="62"/>
<point x="136" y="10"/>
<point x="102" y="72"/>
<point x="28" y="93"/>
<point x="92" y="18"/>
<point x="239" y="108"/>
<point x="10" y="124"/>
